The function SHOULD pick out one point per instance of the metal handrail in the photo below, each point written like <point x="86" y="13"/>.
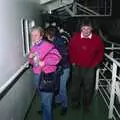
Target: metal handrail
<point x="112" y="92"/>
<point x="112" y="59"/>
<point x="13" y="79"/>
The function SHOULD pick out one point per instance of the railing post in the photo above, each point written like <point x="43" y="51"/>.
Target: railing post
<point x="97" y="78"/>
<point x="112" y="93"/>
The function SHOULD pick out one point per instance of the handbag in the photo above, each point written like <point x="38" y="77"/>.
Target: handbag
<point x="47" y="82"/>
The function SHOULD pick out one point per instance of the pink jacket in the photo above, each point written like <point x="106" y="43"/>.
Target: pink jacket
<point x="47" y="53"/>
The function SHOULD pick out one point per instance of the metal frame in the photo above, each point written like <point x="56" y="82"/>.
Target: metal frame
<point x="111" y="85"/>
<point x="109" y="91"/>
<point x="86" y="11"/>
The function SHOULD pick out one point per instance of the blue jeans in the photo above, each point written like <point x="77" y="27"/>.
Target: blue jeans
<point x="46" y="99"/>
<point x="62" y="96"/>
<point x="46" y="105"/>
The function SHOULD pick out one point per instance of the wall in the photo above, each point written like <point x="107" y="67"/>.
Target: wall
<point x="15" y="103"/>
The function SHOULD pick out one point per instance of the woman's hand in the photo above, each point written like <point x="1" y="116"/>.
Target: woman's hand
<point x="31" y="55"/>
<point x="41" y="63"/>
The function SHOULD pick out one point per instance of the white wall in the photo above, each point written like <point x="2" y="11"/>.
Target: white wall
<point x="14" y="104"/>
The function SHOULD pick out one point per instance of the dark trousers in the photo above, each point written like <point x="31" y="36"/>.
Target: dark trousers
<point x="83" y="79"/>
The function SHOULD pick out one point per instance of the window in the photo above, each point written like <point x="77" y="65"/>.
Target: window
<point x="31" y="24"/>
<point x="26" y="25"/>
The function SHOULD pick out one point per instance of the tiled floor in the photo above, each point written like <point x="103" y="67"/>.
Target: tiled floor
<point x="98" y="111"/>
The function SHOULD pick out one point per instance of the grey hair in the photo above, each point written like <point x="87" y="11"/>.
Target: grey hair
<point x="38" y="28"/>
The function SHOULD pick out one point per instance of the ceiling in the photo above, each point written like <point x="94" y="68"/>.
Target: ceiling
<point x="82" y="8"/>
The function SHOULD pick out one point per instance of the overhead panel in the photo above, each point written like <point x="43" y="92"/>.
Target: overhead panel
<point x="45" y="1"/>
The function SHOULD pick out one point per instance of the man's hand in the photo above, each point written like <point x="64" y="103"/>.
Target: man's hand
<point x="73" y="64"/>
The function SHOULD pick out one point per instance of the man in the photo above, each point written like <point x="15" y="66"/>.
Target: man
<point x="86" y="51"/>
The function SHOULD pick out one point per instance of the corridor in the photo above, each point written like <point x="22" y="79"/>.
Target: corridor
<point x="16" y="77"/>
<point x="98" y="111"/>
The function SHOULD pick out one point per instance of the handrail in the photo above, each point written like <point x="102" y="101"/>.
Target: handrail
<point x="111" y="85"/>
<point x="112" y="59"/>
<point x="12" y="80"/>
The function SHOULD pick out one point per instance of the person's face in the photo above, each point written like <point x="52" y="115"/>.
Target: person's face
<point x="49" y="37"/>
<point x="86" y="30"/>
<point x="36" y="35"/>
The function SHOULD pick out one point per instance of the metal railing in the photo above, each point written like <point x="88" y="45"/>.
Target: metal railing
<point x="12" y="80"/>
<point x="108" y="80"/>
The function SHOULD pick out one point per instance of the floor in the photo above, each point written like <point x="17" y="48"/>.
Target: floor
<point x="98" y="111"/>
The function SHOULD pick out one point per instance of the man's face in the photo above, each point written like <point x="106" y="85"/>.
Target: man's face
<point x="86" y="30"/>
<point x="36" y="35"/>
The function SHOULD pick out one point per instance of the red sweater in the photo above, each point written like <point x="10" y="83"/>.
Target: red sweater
<point x="86" y="52"/>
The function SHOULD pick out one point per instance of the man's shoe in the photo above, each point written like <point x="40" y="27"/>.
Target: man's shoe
<point x="63" y="111"/>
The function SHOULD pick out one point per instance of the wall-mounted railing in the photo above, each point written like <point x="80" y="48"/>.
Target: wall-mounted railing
<point x="12" y="80"/>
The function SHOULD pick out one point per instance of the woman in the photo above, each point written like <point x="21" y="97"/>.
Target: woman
<point x="44" y="58"/>
<point x="62" y="97"/>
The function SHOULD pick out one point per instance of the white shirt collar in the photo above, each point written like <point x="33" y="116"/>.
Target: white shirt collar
<point x="90" y="36"/>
